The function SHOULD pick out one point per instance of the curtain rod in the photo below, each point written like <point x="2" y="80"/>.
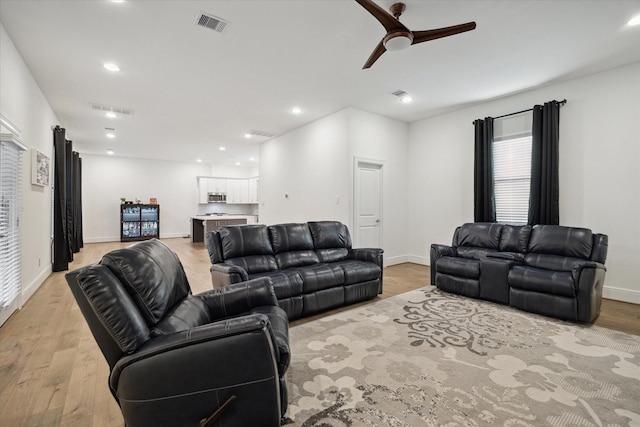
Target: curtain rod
<point x="564" y="101"/>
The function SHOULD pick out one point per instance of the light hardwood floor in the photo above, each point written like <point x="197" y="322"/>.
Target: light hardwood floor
<point x="53" y="374"/>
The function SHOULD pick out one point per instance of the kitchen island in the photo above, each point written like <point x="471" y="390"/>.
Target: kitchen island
<point x="202" y="224"/>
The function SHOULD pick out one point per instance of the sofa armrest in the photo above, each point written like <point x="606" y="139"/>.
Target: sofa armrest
<point x="239" y="298"/>
<point x="184" y="377"/>
<point x="437" y="252"/>
<point x="589" y="279"/>
<point x="373" y="255"/>
<point x="509" y="256"/>
<point x="225" y="274"/>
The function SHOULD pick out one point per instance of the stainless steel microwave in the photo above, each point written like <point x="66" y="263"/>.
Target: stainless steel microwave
<point x="217" y="198"/>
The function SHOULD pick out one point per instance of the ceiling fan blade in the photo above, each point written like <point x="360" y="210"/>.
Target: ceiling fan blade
<point x="425" y="36"/>
<point x="388" y="22"/>
<point x="377" y="53"/>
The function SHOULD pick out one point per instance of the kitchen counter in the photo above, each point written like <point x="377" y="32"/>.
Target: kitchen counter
<point x="202" y="224"/>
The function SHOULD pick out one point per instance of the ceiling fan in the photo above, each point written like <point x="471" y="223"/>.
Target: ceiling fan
<point x="400" y="37"/>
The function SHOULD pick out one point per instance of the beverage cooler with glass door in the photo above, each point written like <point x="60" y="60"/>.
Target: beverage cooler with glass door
<point x="139" y="222"/>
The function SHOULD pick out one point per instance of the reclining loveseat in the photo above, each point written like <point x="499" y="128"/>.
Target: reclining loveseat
<point x="177" y="359"/>
<point x="546" y="269"/>
<point x="312" y="265"/>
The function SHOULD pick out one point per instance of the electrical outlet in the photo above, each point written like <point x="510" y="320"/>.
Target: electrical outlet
<point x="337" y="200"/>
<point x="38" y="262"/>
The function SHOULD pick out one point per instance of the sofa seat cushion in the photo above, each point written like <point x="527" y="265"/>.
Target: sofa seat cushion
<point x="253" y="264"/>
<point x="321" y="276"/>
<point x="187" y="314"/>
<point x="332" y="254"/>
<point x="462" y="267"/>
<point x="286" y="283"/>
<point x="542" y="280"/>
<point x="552" y="262"/>
<point x="356" y="271"/>
<point x="296" y="259"/>
<point x="474" y="252"/>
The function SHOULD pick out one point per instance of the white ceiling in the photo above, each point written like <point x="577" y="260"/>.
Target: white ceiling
<point x="194" y="89"/>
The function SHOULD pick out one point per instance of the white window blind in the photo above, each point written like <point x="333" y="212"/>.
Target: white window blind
<point x="512" y="178"/>
<point x="10" y="207"/>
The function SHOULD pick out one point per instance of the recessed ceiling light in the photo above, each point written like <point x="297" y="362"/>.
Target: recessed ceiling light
<point x="199" y="160"/>
<point x="296" y="110"/>
<point x="634" y="21"/>
<point x="406" y="99"/>
<point x="237" y="163"/>
<point x="111" y="135"/>
<point x="111" y="66"/>
<point x="247" y="135"/>
<point x="117" y="1"/>
<point x="222" y="148"/>
<point x="110" y="151"/>
<point x="111" y="114"/>
<point x="252" y="159"/>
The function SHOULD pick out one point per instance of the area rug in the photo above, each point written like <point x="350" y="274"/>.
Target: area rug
<point x="430" y="358"/>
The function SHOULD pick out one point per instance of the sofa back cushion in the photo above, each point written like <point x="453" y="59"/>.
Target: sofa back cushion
<point x="249" y="247"/>
<point x="558" y="240"/>
<point x="479" y="234"/>
<point x="293" y="245"/>
<point x="331" y="239"/>
<point x="153" y="276"/>
<point x="119" y="320"/>
<point x="515" y="238"/>
<point x="600" y="248"/>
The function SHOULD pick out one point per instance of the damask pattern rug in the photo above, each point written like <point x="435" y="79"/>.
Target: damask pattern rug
<point x="430" y="358"/>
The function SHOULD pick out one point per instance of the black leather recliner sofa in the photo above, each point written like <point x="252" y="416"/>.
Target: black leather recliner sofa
<point x="312" y="265"/>
<point x="546" y="269"/>
<point x="177" y="358"/>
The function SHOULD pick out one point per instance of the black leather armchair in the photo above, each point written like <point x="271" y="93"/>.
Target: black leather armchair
<point x="176" y="359"/>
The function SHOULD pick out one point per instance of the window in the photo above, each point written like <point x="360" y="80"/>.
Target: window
<point x="10" y="206"/>
<point x="512" y="178"/>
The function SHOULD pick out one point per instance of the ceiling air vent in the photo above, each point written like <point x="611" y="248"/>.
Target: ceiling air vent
<point x="118" y="110"/>
<point x="212" y="22"/>
<point x="399" y="93"/>
<point x="262" y="133"/>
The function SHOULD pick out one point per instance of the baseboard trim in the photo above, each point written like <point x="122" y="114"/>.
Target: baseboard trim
<point x="30" y="289"/>
<point x="117" y="238"/>
<point x="621" y="294"/>
<point x="395" y="260"/>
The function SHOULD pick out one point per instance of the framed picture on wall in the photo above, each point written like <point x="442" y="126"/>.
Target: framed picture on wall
<point x="40" y="166"/>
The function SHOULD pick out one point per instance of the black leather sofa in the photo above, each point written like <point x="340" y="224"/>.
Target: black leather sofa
<point x="312" y="265"/>
<point x="176" y="358"/>
<point x="546" y="269"/>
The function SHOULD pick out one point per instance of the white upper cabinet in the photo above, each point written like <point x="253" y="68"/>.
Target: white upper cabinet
<point x="238" y="190"/>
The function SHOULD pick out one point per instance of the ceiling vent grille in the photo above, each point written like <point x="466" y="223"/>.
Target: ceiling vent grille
<point x="262" y="133"/>
<point x="212" y="22"/>
<point x="399" y="93"/>
<point x="107" y="108"/>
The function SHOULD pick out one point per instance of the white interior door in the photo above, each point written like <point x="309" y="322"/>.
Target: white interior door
<point x="368" y="205"/>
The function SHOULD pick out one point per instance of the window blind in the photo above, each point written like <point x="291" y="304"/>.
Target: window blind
<point x="10" y="207"/>
<point x="512" y="178"/>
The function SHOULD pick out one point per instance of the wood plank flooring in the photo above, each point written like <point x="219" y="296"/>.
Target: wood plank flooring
<point x="52" y="372"/>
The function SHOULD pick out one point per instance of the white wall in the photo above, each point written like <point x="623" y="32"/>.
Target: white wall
<point x="314" y="166"/>
<point x="599" y="173"/>
<point x="24" y="105"/>
<point x="105" y="179"/>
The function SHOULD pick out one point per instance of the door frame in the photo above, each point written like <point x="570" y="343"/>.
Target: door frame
<point x="357" y="163"/>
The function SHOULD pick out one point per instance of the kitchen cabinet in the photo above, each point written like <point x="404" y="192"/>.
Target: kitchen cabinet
<point x="237" y="191"/>
<point x="217" y="185"/>
<point x="253" y="190"/>
<point x="201" y="225"/>
<point x="203" y="189"/>
<point x="139" y="222"/>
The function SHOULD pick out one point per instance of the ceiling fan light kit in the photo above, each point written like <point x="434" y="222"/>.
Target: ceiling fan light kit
<point x="398" y="36"/>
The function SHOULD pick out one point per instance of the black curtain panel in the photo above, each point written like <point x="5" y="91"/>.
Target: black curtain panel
<point x="545" y="189"/>
<point x="60" y="241"/>
<point x="484" y="194"/>
<point x="67" y="203"/>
